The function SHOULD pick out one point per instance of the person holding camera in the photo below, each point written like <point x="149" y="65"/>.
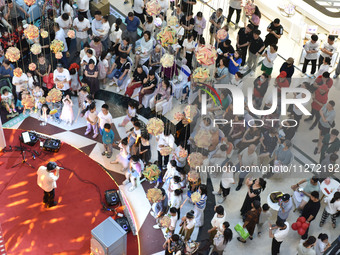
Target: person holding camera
<point x="47" y="180"/>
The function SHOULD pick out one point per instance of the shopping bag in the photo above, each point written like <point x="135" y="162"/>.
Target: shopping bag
<point x="241" y="231"/>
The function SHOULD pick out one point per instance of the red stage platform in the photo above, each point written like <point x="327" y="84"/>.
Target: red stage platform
<point x="28" y="227"/>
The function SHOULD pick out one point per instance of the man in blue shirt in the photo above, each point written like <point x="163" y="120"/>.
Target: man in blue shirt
<point x="107" y="138"/>
<point x="132" y="24"/>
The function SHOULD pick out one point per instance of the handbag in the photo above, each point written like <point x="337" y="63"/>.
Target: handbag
<point x="241" y="231"/>
<point x="275" y="196"/>
<point x="158" y="97"/>
<point x="117" y="74"/>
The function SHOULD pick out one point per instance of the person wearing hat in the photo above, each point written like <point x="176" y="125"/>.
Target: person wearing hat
<point x="288" y="67"/>
<point x="279" y="235"/>
<point x="286" y="206"/>
<point x="281" y="82"/>
<point x="187" y="225"/>
<point x="47" y="180"/>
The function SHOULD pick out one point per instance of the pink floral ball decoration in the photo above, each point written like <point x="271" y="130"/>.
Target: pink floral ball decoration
<point x="71" y="34"/>
<point x="17" y="72"/>
<point x="32" y="67"/>
<point x="203" y="139"/>
<point x="13" y="54"/>
<point x="153" y="8"/>
<point x="179" y="116"/>
<point x="222" y="34"/>
<point x="44" y="34"/>
<point x="29" y="2"/>
<point x="155" y="126"/>
<point x="183" y="153"/>
<point x="165" y="151"/>
<point x="36" y="49"/>
<point x="31" y="32"/>
<point x="206" y="55"/>
<point x="195" y="159"/>
<point x="58" y="55"/>
<point x="167" y="60"/>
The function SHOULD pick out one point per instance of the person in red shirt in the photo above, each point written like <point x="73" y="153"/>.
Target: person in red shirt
<point x="281" y="81"/>
<point x="320" y="98"/>
<point x="260" y="89"/>
<point x="323" y="79"/>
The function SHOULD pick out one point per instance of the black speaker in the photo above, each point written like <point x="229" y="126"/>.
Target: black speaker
<point x="52" y="145"/>
<point x="29" y="138"/>
<point x="124" y="223"/>
<point x="112" y="197"/>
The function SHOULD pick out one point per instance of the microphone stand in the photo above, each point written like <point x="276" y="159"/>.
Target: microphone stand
<point x="23" y="155"/>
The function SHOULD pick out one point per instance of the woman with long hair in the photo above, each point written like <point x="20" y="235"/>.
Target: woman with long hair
<point x="162" y="95"/>
<point x="221" y="239"/>
<point x="255" y="187"/>
<point x="331" y="209"/>
<point x="256" y="18"/>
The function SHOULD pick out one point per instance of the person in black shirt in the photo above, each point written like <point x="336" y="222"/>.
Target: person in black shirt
<point x="138" y="77"/>
<point x="288" y="67"/>
<point x="149" y="86"/>
<point x="226" y="48"/>
<point x="255" y="50"/>
<point x="244" y="37"/>
<point x="187" y="22"/>
<point x="187" y="5"/>
<point x="275" y="30"/>
<point x="310" y="210"/>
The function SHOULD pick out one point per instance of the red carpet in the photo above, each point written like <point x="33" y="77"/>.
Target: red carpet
<point x="28" y="227"/>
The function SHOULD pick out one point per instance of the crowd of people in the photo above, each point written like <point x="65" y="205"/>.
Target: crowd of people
<point x="101" y="55"/>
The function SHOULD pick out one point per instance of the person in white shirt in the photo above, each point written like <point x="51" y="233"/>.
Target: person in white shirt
<point x="83" y="52"/>
<point x="61" y="78"/>
<point x="81" y="25"/>
<point x="67" y="8"/>
<point x="138" y="9"/>
<point x="163" y="140"/>
<point x="165" y="6"/>
<point x="189" y="48"/>
<point x="144" y="50"/>
<point x="47" y="180"/>
<point x="104" y="117"/>
<point x="20" y="83"/>
<point x="217" y="221"/>
<point x="97" y="23"/>
<point x="327" y="50"/>
<point x="187" y="226"/>
<point x="226" y="180"/>
<point x="116" y="33"/>
<point x="324" y="67"/>
<point x="237" y="80"/>
<point x="331" y="209"/>
<point x="65" y="22"/>
<point x="104" y="32"/>
<point x="86" y="59"/>
<point x="312" y="49"/>
<point x="321" y="244"/>
<point x="279" y="235"/>
<point x="173" y="220"/>
<point x="83" y="7"/>
<point x="268" y="62"/>
<point x="60" y="35"/>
